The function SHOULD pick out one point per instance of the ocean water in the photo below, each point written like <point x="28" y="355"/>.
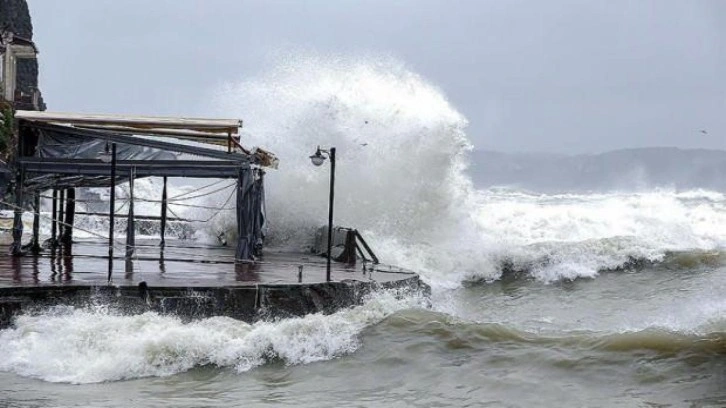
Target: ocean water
<point x="606" y="298"/>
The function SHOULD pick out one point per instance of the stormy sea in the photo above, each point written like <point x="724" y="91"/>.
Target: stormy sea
<point x="557" y="281"/>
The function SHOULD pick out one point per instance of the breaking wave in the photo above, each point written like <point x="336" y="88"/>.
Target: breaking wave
<point x="77" y="345"/>
<point x="707" y="339"/>
<point x="401" y="178"/>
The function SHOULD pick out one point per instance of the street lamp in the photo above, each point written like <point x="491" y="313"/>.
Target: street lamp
<point x="318" y="159"/>
<point x="105" y="156"/>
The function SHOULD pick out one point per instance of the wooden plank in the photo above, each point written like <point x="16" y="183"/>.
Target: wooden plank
<point x="221" y="126"/>
<point x="204" y="137"/>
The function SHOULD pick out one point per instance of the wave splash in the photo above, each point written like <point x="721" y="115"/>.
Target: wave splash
<point x="93" y="345"/>
<point x="568" y="236"/>
<point x="401" y="178"/>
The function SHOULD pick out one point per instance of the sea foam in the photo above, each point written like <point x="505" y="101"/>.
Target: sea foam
<point x="89" y="345"/>
<point x="402" y="179"/>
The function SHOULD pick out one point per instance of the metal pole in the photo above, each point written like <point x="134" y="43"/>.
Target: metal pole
<point x="18" y="215"/>
<point x="54" y="222"/>
<point x="35" y="247"/>
<point x="70" y="213"/>
<point x="61" y="214"/>
<point x="111" y="211"/>
<point x="330" y="211"/>
<point x="19" y="176"/>
<point x="130" y="225"/>
<point x="163" y="214"/>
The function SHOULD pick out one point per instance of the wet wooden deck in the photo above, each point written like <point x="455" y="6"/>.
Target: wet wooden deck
<point x="180" y="264"/>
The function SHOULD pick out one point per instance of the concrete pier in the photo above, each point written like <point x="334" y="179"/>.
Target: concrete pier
<point x="192" y="282"/>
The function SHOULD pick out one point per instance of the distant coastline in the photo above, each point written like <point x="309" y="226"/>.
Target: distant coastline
<point x="621" y="170"/>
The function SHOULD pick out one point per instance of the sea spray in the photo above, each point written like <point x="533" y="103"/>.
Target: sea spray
<point x="401" y="178"/>
<point x="402" y="181"/>
<point x="401" y="155"/>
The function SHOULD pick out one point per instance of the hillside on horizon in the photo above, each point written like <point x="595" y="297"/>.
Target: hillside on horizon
<point x="624" y="170"/>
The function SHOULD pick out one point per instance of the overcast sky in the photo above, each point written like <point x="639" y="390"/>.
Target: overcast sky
<point x="558" y="76"/>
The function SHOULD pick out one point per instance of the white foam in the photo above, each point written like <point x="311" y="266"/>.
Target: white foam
<point x="402" y="156"/>
<point x="408" y="191"/>
<point x="85" y="346"/>
<point x="578" y="235"/>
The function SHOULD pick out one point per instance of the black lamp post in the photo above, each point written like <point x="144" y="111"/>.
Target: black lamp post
<point x="318" y="159"/>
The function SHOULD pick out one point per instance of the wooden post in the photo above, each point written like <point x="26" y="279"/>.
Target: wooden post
<point x="67" y="237"/>
<point x="163" y="214"/>
<point x="130" y="224"/>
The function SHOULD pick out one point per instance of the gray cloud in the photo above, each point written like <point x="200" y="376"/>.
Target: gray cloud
<point x="564" y="76"/>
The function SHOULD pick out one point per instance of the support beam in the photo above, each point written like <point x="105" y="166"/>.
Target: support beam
<point x="139" y="217"/>
<point x="130" y="224"/>
<point x="54" y="220"/>
<point x="67" y="238"/>
<point x="220" y="126"/>
<point x="61" y="215"/>
<point x="163" y="215"/>
<point x="16" y="249"/>
<point x="112" y="211"/>
<point x="143" y="168"/>
<point x="368" y="249"/>
<point x="35" y="243"/>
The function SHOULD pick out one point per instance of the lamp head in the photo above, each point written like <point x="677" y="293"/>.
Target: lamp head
<point x="318" y="158"/>
<point x="105" y="155"/>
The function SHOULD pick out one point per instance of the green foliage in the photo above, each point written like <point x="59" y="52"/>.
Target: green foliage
<point x="6" y="130"/>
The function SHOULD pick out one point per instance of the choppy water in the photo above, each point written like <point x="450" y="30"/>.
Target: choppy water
<point x="599" y="299"/>
<point x="624" y="339"/>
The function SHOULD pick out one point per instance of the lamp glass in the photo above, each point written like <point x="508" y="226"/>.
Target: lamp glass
<point x="105" y="157"/>
<point x="317" y="159"/>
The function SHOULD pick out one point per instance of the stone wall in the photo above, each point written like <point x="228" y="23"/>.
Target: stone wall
<point x="15" y="17"/>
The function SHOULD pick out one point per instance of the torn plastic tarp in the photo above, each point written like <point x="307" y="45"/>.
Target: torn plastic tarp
<point x="250" y="214"/>
<point x="68" y="145"/>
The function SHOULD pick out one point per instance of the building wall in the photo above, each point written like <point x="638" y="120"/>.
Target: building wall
<point x="15" y="17"/>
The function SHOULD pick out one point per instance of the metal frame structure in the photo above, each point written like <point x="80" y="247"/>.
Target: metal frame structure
<point x="36" y="172"/>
